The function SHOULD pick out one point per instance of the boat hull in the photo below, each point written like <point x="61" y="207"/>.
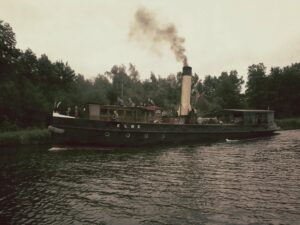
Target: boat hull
<point x="91" y="133"/>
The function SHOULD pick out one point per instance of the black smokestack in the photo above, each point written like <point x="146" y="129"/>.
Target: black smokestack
<point x="146" y="25"/>
<point x="187" y="70"/>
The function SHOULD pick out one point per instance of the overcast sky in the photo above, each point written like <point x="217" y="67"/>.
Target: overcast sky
<point x="220" y="35"/>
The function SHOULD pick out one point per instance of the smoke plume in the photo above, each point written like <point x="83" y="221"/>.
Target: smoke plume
<point x="146" y="25"/>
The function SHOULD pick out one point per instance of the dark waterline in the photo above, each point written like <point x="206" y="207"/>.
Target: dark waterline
<point x="244" y="182"/>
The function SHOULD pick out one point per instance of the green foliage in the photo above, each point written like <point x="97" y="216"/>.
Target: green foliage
<point x="29" y="85"/>
<point x="256" y="86"/>
<point x="8" y="53"/>
<point x="288" y="123"/>
<point x="25" y="137"/>
<point x="278" y="90"/>
<point x="220" y="92"/>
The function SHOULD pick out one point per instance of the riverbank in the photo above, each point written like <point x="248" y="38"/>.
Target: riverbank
<point x="25" y="137"/>
<point x="288" y="123"/>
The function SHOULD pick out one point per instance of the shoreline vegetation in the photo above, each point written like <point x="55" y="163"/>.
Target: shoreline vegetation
<point x="33" y="136"/>
<point x="288" y="123"/>
<point x="41" y="136"/>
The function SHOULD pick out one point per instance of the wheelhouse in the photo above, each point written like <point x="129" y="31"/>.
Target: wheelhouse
<point x="250" y="117"/>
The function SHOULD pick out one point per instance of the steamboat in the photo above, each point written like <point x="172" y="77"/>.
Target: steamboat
<point x="131" y="126"/>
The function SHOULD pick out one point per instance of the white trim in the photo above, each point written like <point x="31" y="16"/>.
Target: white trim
<point x="56" y="114"/>
<point x="56" y="130"/>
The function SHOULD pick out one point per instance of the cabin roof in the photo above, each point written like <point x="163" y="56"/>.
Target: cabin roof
<point x="249" y="110"/>
<point x="118" y="107"/>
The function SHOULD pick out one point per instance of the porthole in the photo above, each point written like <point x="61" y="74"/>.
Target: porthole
<point x="127" y="135"/>
<point x="107" y="134"/>
<point x="146" y="135"/>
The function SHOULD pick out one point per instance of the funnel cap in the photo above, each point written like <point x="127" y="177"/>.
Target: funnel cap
<point x="187" y="70"/>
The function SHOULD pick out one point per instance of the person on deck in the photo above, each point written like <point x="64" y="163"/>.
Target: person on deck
<point x="115" y="116"/>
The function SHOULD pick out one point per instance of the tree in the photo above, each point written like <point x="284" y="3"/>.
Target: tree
<point x="282" y="88"/>
<point x="209" y="87"/>
<point x="64" y="74"/>
<point x="49" y="80"/>
<point x="133" y="73"/>
<point x="9" y="94"/>
<point x="256" y="87"/>
<point x="27" y="67"/>
<point x="228" y="90"/>
<point x="8" y="51"/>
<point x="217" y="93"/>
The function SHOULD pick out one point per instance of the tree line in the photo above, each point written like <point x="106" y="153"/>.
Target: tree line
<point x="30" y="85"/>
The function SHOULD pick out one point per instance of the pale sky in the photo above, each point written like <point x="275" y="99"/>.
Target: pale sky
<point x="220" y="35"/>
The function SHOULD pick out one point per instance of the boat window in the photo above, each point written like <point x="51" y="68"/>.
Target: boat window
<point x="270" y="117"/>
<point x="132" y="126"/>
<point x="138" y="126"/>
<point x="103" y="111"/>
<point x="120" y="112"/>
<point x="146" y="136"/>
<point x="94" y="111"/>
<point x="264" y="118"/>
<point x="139" y="115"/>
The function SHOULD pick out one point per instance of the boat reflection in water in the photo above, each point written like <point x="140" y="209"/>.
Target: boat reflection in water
<point x="120" y="126"/>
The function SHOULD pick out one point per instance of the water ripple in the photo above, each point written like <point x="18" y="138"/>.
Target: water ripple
<point x="244" y="182"/>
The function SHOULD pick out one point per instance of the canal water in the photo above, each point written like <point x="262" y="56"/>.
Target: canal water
<point x="240" y="182"/>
